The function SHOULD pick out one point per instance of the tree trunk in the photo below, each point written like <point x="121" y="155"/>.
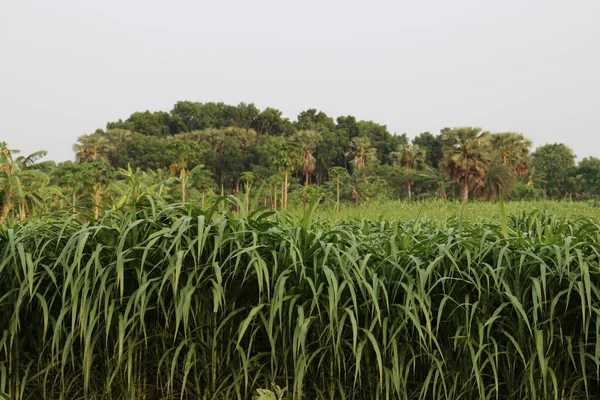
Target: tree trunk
<point x="183" y="185"/>
<point x="306" y="179"/>
<point x="275" y="197"/>
<point x="5" y="210"/>
<point x="203" y="192"/>
<point x="337" y="184"/>
<point x="285" y="190"/>
<point x="464" y="191"/>
<point x="96" y="202"/>
<point x="247" y="196"/>
<point x="22" y="211"/>
<point x="409" y="190"/>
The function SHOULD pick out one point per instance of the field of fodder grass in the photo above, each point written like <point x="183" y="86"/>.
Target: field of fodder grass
<point x="183" y="303"/>
<point x="441" y="211"/>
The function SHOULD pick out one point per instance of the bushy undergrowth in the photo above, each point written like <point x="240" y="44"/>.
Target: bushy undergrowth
<point x="172" y="303"/>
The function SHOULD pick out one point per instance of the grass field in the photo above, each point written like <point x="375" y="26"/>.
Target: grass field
<point x="167" y="303"/>
<point x="443" y="210"/>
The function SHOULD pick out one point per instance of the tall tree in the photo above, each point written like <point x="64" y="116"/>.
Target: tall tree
<point x="93" y="148"/>
<point x="552" y="162"/>
<point x="588" y="175"/>
<point x="202" y="180"/>
<point x="363" y="152"/>
<point x="286" y="158"/>
<point x="410" y="157"/>
<point x="337" y="173"/>
<point x="432" y="145"/>
<point x="308" y="141"/>
<point x="466" y="150"/>
<point x="513" y="149"/>
<point x="186" y="153"/>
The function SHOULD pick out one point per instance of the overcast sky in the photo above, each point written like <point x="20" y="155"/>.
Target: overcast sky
<point x="69" y="66"/>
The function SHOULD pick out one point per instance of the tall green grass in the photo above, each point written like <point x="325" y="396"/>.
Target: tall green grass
<point x="442" y="210"/>
<point x="166" y="303"/>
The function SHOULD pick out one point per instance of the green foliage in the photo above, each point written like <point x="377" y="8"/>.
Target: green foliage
<point x="264" y="394"/>
<point x="587" y="174"/>
<point x="433" y="146"/>
<point x="524" y="191"/>
<point x="552" y="162"/>
<point x="466" y="151"/>
<point x="169" y="302"/>
<point x="244" y="138"/>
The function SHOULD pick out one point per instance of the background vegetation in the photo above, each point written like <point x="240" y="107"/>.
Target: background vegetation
<point x="158" y="264"/>
<point x="199" y="150"/>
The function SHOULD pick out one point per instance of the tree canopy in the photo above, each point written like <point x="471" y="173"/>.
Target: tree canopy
<point x="198" y="149"/>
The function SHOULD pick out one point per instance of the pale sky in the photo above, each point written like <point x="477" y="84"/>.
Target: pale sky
<point x="69" y="66"/>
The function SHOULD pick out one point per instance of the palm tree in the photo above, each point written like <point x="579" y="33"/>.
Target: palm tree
<point x="308" y="141"/>
<point x="434" y="175"/>
<point x="514" y="150"/>
<point x="500" y="178"/>
<point x="286" y="158"/>
<point x="363" y="152"/>
<point x="91" y="148"/>
<point x="409" y="156"/>
<point x="201" y="179"/>
<point x="465" y="154"/>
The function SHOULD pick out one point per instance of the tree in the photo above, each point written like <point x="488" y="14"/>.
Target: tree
<point x="552" y="162"/>
<point x="146" y="153"/>
<point x="286" y="158"/>
<point x="92" y="148"/>
<point x="273" y="181"/>
<point x="202" y="180"/>
<point x="186" y="152"/>
<point x="434" y="175"/>
<point x="513" y="149"/>
<point x="246" y="115"/>
<point x="118" y="139"/>
<point x="337" y="173"/>
<point x="465" y="154"/>
<point x="587" y="173"/>
<point x="308" y="140"/>
<point x="363" y="152"/>
<point x="500" y="177"/>
<point x="314" y="120"/>
<point x="380" y="138"/>
<point x="270" y="121"/>
<point x="409" y="156"/>
<point x="432" y="145"/>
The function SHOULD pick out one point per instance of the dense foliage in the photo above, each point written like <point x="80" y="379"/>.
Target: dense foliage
<point x="157" y="301"/>
<point x="198" y="150"/>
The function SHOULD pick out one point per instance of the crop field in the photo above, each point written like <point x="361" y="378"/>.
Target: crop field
<point x="434" y="301"/>
<point x="441" y="210"/>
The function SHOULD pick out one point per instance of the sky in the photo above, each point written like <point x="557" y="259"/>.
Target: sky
<point x="532" y="66"/>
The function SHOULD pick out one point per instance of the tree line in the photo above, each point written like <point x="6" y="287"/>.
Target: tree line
<point x="199" y="149"/>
